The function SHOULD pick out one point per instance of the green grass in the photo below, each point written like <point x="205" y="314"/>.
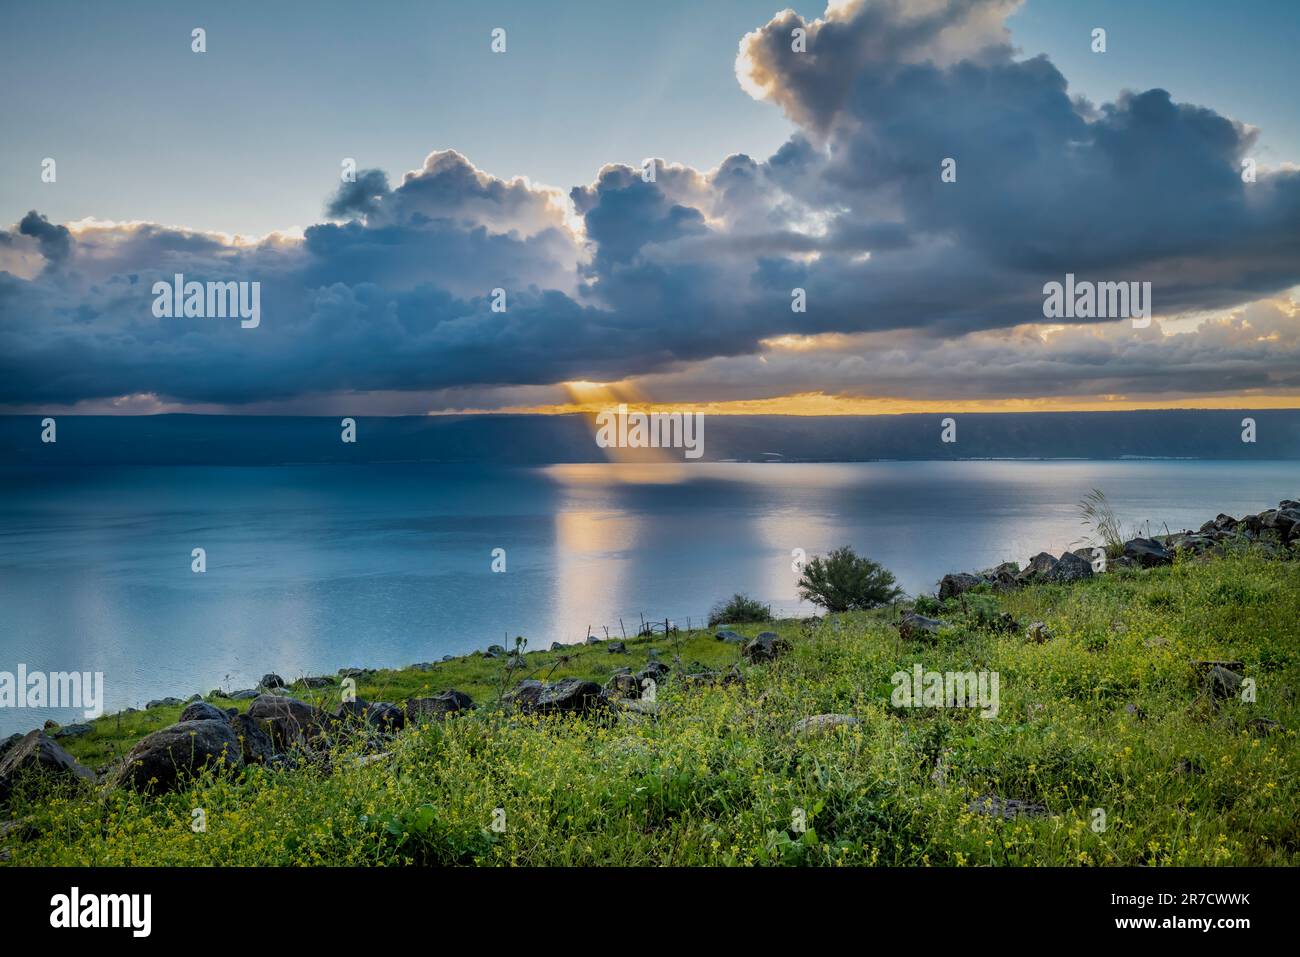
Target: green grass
<point x="717" y="777"/>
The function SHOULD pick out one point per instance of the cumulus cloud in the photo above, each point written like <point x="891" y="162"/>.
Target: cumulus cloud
<point x="687" y="275"/>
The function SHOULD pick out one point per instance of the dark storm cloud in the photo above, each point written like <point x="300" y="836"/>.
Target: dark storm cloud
<point x="395" y="293"/>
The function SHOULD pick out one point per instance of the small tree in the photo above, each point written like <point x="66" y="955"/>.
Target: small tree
<point x="843" y="581"/>
<point x="741" y="608"/>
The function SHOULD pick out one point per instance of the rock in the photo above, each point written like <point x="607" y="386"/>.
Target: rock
<point x="820" y="723"/>
<point x="380" y="715"/>
<point x="1069" y="568"/>
<point x="1147" y="552"/>
<point x="438" y="706"/>
<point x="36" y="753"/>
<point x="161" y="761"/>
<point x="287" y="720"/>
<point x="315" y="682"/>
<point x="194" y="697"/>
<point x="623" y="686"/>
<point x="958" y="584"/>
<point x="72" y="731"/>
<point x="592" y="640"/>
<point x="424" y="666"/>
<point x="50" y="724"/>
<point x="1263" y="726"/>
<point x="1281" y="520"/>
<point x="709" y="678"/>
<point x="202" y="711"/>
<point x="914" y="627"/>
<point x="1134" y="711"/>
<point x="730" y="637"/>
<point x="8" y="743"/>
<point x="255" y="745"/>
<point x="163" y="703"/>
<point x="495" y="651"/>
<point x="1003" y="576"/>
<point x="355" y="672"/>
<point x="271" y="680"/>
<point x="1006" y="808"/>
<point x="1038" y="566"/>
<point x="1222" y="683"/>
<point x="616" y="648"/>
<point x="566" y="696"/>
<point x="1038" y="633"/>
<point x="447" y="658"/>
<point x="514" y="662"/>
<point x="558" y="646"/>
<point x="655" y="671"/>
<point x="765" y="647"/>
<point x="245" y="695"/>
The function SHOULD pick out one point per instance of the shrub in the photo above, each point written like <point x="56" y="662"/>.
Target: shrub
<point x="843" y="581"/>
<point x="741" y="608"/>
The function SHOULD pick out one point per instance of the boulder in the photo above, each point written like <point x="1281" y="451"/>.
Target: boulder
<point x="315" y="682"/>
<point x="765" y="647"/>
<point x="617" y="648"/>
<point x="36" y="753"/>
<point x="592" y="640"/>
<point x="820" y="723"/>
<point x="246" y="694"/>
<point x="914" y="627"/>
<point x="958" y="584"/>
<point x="495" y="651"/>
<point x="161" y="761"/>
<point x="730" y="637"/>
<point x="72" y="731"/>
<point x="623" y="686"/>
<point x="202" y="711"/>
<point x="380" y="715"/>
<point x="1038" y="566"/>
<point x="655" y="671"/>
<point x="287" y="720"/>
<point x="1069" y="568"/>
<point x="558" y="646"/>
<point x="163" y="703"/>
<point x="566" y="696"/>
<point x="255" y="745"/>
<point x="423" y="666"/>
<point x="271" y="680"/>
<point x="1222" y="683"/>
<point x="1147" y="552"/>
<point x="438" y="706"/>
<point x="1038" y="633"/>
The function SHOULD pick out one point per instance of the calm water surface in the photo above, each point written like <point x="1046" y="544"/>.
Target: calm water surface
<point x="314" y="568"/>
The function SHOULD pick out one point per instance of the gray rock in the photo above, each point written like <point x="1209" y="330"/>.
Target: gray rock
<point x="958" y="583"/>
<point x="72" y="731"/>
<point x="271" y="680"/>
<point x="1147" y="552"/>
<point x="163" y="703"/>
<point x="438" y="706"/>
<point x="319" y="681"/>
<point x="616" y="648"/>
<point x="566" y="696"/>
<point x="202" y="711"/>
<point x="558" y="646"/>
<point x="914" y="627"/>
<point x="380" y="715"/>
<point x="765" y="647"/>
<point x="820" y="723"/>
<point x="730" y="637"/>
<point x="423" y="666"/>
<point x="287" y="720"/>
<point x="255" y="744"/>
<point x="1069" y="568"/>
<point x="246" y="694"/>
<point x="495" y="651"/>
<point x="1222" y="683"/>
<point x="1038" y="567"/>
<point x="161" y="761"/>
<point x="1038" y="633"/>
<point x="36" y="754"/>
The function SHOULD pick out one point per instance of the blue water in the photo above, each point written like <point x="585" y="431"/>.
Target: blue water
<point x="310" y="569"/>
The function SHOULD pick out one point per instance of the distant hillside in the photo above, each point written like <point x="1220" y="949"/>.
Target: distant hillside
<point x="536" y="440"/>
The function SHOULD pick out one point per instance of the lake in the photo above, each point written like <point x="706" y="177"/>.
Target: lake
<point x="312" y="568"/>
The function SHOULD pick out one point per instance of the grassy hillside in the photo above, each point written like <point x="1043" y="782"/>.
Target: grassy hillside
<point x="1107" y="714"/>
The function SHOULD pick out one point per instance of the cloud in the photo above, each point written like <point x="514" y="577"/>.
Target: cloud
<point x="686" y="276"/>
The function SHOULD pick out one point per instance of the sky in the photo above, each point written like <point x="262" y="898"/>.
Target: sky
<point x="775" y="170"/>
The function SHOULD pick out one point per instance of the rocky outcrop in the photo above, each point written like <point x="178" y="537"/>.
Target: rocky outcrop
<point x="36" y="754"/>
